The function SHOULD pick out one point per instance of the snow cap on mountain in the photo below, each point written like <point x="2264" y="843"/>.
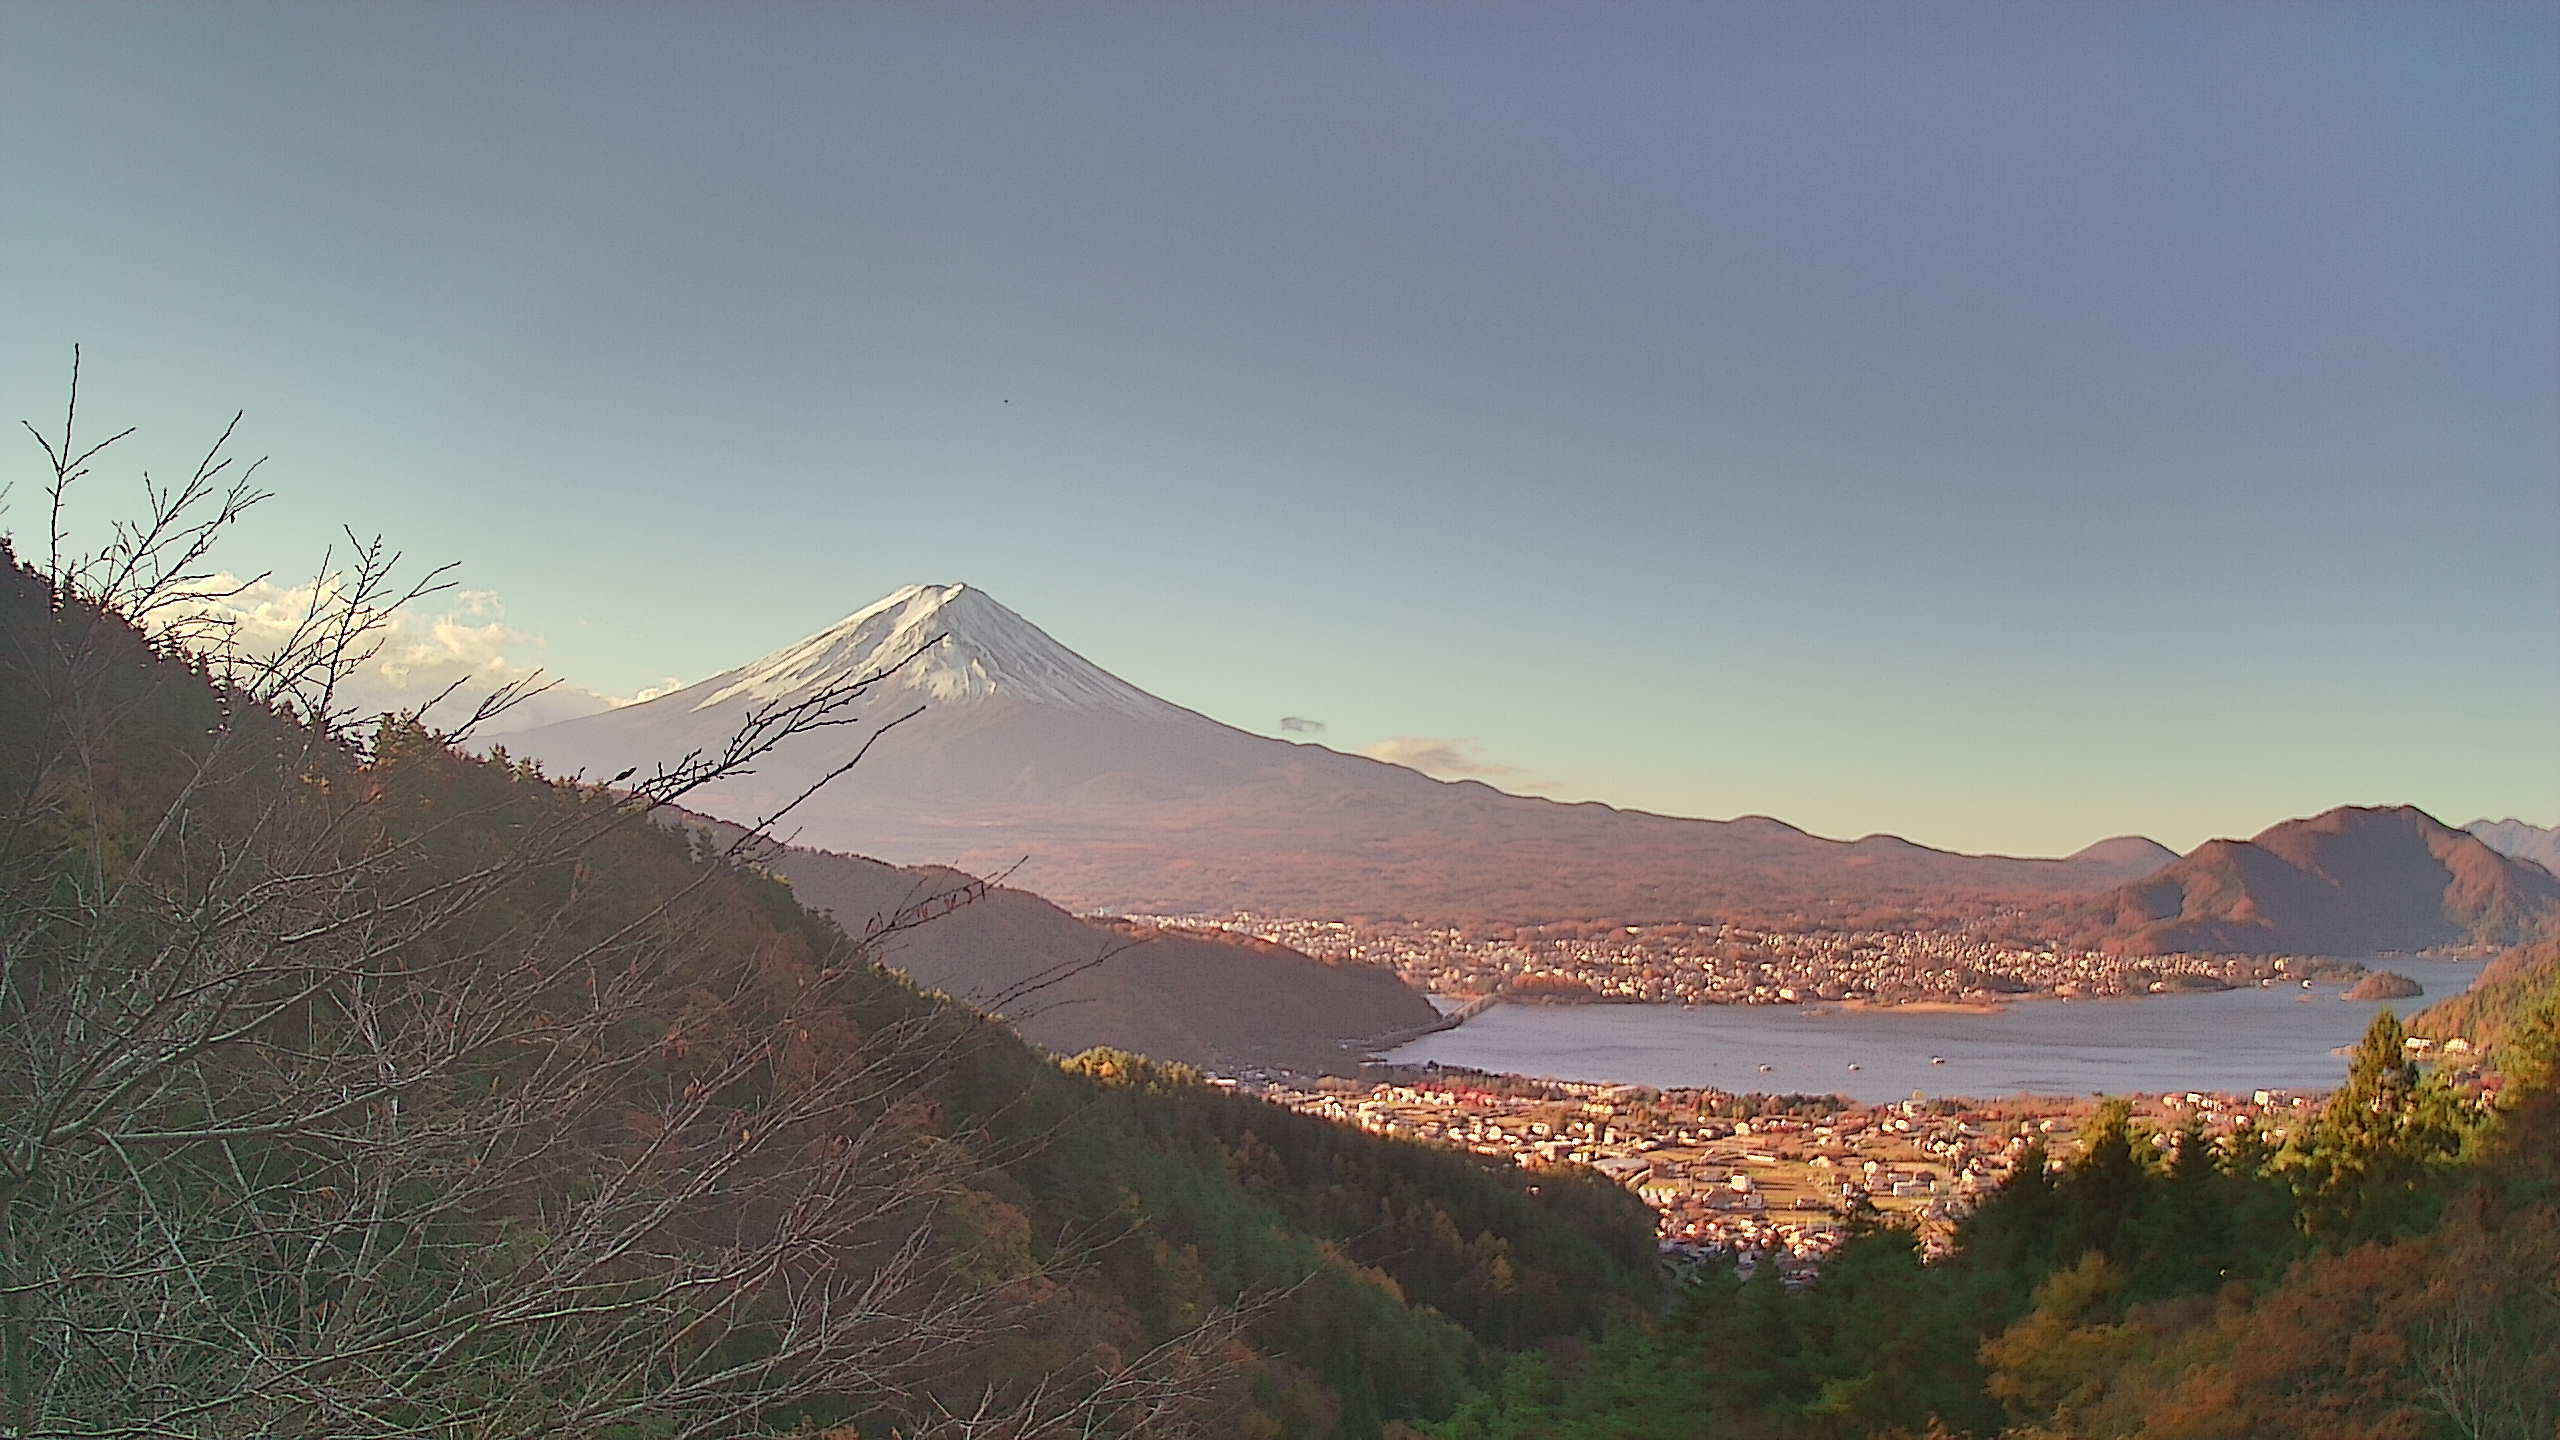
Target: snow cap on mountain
<point x="946" y="643"/>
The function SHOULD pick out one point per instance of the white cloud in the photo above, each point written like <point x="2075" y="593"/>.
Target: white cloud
<point x="1446" y="757"/>
<point x="460" y="640"/>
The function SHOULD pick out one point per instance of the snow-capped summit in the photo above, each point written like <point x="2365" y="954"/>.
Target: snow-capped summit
<point x="1022" y="748"/>
<point x="944" y="643"/>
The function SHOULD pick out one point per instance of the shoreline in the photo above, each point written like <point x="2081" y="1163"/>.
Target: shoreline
<point x="2225" y="1042"/>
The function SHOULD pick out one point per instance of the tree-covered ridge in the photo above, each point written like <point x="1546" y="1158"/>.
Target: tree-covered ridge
<point x="355" y="1086"/>
<point x="1557" y="1253"/>
<point x="2391" y="1271"/>
<point x="2496" y="1006"/>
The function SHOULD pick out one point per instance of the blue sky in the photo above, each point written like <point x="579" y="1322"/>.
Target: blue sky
<point x="1998" y="425"/>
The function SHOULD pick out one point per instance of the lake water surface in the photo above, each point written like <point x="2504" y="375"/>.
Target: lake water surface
<point x="2230" y="1040"/>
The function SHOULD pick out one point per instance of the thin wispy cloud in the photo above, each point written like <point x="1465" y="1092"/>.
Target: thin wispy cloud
<point x="1442" y="757"/>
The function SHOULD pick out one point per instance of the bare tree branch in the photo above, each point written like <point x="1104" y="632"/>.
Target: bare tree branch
<point x="350" y="1087"/>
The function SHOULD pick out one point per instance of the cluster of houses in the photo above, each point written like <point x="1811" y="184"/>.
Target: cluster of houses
<point x="1781" y="1185"/>
<point x="1779" y="1188"/>
<point x="1733" y="964"/>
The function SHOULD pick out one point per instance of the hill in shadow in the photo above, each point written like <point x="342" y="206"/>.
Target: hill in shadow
<point x="1069" y="983"/>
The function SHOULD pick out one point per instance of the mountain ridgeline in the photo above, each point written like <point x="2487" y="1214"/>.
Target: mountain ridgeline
<point x="2537" y="843"/>
<point x="1126" y="802"/>
<point x="1206" y="998"/>
<point x="2351" y="881"/>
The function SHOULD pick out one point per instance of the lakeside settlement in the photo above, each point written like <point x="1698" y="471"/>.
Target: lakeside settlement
<point x="1769" y="1179"/>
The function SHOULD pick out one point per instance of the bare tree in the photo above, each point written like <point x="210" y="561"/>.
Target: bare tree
<point x="2488" y="1322"/>
<point x="350" y="1087"/>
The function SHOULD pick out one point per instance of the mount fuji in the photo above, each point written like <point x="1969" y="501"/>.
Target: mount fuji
<point x="1112" y="798"/>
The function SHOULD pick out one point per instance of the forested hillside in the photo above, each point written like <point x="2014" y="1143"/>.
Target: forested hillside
<point x="2509" y="990"/>
<point x="353" y="1086"/>
<point x="2388" y="1271"/>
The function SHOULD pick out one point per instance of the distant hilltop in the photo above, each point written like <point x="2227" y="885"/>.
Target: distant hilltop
<point x="2537" y="843"/>
<point x="2132" y="854"/>
<point x="2351" y="881"/>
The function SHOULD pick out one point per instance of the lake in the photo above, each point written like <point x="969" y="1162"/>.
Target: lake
<point x="2230" y="1040"/>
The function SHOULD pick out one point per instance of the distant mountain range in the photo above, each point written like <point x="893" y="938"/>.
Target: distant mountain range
<point x="2537" y="843"/>
<point x="1116" y="799"/>
<point x="1206" y="998"/>
<point x="2351" y="881"/>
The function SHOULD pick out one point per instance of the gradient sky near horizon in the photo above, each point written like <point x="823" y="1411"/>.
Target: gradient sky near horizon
<point x="1999" y="425"/>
